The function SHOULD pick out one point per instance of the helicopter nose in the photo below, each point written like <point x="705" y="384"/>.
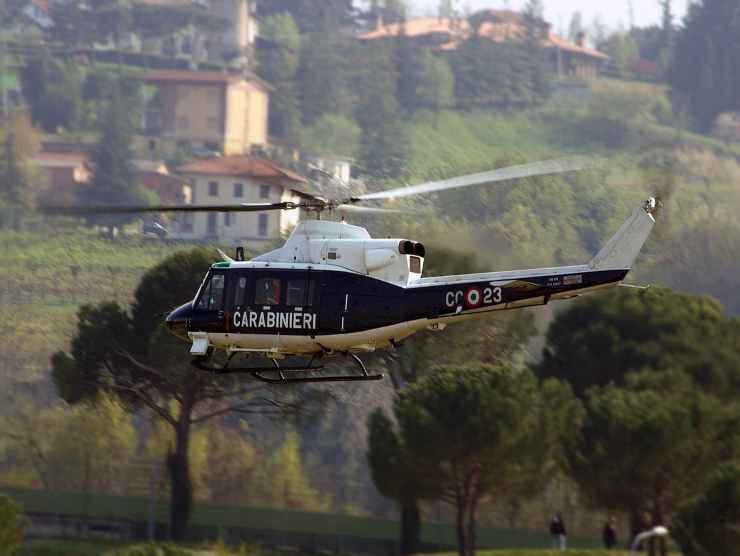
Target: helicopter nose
<point x="177" y="321"/>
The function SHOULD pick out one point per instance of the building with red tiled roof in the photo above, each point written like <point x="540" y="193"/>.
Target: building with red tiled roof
<point x="204" y="110"/>
<point x="237" y="179"/>
<point x="445" y="34"/>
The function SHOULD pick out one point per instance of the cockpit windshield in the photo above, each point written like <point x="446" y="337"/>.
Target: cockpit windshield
<point x="212" y="293"/>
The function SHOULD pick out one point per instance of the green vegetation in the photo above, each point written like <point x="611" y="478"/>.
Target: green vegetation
<point x="708" y="526"/>
<point x="12" y="525"/>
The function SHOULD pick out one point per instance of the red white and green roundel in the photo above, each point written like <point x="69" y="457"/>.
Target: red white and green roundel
<point x="473" y="298"/>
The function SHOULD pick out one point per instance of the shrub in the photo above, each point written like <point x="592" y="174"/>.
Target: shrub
<point x="150" y="549"/>
<point x="12" y="525"/>
<point x="709" y="526"/>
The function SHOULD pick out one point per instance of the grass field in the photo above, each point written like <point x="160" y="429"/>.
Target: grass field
<point x="293" y="523"/>
<point x="91" y="548"/>
<point x="45" y="276"/>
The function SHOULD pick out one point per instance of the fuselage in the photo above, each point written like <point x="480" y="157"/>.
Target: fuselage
<point x="301" y="309"/>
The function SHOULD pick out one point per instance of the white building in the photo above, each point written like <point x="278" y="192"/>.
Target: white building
<point x="233" y="180"/>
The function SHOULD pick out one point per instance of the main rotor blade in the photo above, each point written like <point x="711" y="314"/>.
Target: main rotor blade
<point x="555" y="166"/>
<point x="245" y="207"/>
<point x="370" y="210"/>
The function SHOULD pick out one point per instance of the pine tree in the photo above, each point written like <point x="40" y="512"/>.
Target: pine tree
<point x="446" y="9"/>
<point x="278" y="65"/>
<point x="706" y="61"/>
<point x="537" y="75"/>
<point x="408" y="67"/>
<point x="384" y="145"/>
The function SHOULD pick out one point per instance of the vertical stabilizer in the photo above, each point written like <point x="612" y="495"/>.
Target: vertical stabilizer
<point x="622" y="249"/>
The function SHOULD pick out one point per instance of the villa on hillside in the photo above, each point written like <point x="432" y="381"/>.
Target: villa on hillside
<point x="213" y="112"/>
<point x="237" y="179"/>
<point x="569" y="59"/>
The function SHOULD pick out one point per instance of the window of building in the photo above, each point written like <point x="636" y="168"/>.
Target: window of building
<point x="212" y="295"/>
<point x="267" y="291"/>
<point x="262" y="225"/>
<point x="264" y="191"/>
<point x="213" y="188"/>
<point x="183" y="123"/>
<point x="211" y="223"/>
<point x="238" y="190"/>
<point x="241" y="292"/>
<point x="212" y="124"/>
<point x="187" y="222"/>
<point x="228" y="219"/>
<point x="298" y="294"/>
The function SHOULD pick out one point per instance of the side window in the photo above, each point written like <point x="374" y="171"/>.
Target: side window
<point x="240" y="298"/>
<point x="298" y="295"/>
<point x="267" y="291"/>
<point x="212" y="296"/>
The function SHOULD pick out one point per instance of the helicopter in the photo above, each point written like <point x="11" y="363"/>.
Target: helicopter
<point x="333" y="290"/>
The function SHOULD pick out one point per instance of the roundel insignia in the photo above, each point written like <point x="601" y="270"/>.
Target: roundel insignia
<point x="473" y="298"/>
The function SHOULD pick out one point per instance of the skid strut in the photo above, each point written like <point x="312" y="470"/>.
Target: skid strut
<point x="283" y="375"/>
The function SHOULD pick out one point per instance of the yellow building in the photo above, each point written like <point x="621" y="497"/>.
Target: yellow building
<point x="233" y="180"/>
<point x="204" y="111"/>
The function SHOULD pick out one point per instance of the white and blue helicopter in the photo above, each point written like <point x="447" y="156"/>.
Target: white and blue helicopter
<point x="332" y="290"/>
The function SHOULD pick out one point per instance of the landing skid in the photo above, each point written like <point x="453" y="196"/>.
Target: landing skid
<point x="282" y="375"/>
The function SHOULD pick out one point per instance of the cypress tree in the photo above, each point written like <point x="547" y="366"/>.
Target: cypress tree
<point x="278" y="65"/>
<point x="114" y="181"/>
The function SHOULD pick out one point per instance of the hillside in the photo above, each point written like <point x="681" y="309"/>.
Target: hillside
<point x="44" y="278"/>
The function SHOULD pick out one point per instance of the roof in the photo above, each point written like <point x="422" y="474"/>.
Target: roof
<point x="239" y="165"/>
<point x="415" y="28"/>
<point x="501" y="25"/>
<point x="46" y="159"/>
<point x="204" y="77"/>
<point x="43" y="5"/>
<point x="559" y="42"/>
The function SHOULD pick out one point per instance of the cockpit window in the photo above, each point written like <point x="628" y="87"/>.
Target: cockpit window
<point x="212" y="294"/>
<point x="267" y="291"/>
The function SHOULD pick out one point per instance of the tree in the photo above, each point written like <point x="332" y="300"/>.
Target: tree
<point x="395" y="476"/>
<point x="114" y="180"/>
<point x="278" y="65"/>
<point x="620" y="456"/>
<point x="12" y="525"/>
<point x="536" y="75"/>
<point x="508" y="425"/>
<point x="576" y="26"/>
<point x="312" y="15"/>
<point x="704" y="68"/>
<point x="333" y="134"/>
<point x="602" y="339"/>
<point x="19" y="146"/>
<point x="282" y="482"/>
<point x="622" y="50"/>
<point x="52" y="90"/>
<point x="322" y="78"/>
<point x="132" y="355"/>
<point x="87" y="448"/>
<point x="446" y="9"/>
<point x="435" y="83"/>
<point x="707" y="526"/>
<point x="384" y="146"/>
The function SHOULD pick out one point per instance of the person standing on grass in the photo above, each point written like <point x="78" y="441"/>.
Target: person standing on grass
<point x="558" y="532"/>
<point x="609" y="534"/>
